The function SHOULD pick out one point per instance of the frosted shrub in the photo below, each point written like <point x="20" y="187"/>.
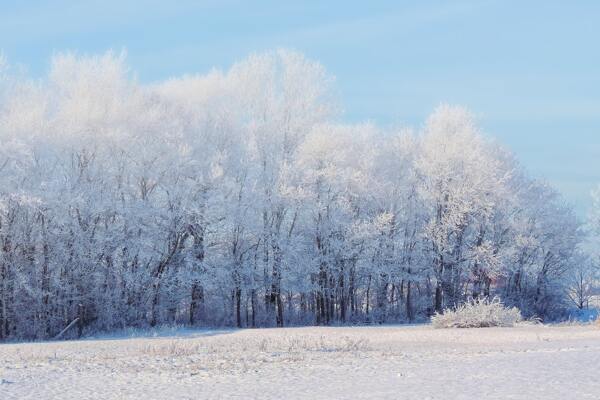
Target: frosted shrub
<point x="478" y="313"/>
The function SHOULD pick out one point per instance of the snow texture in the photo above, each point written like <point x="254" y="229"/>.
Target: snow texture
<point x="416" y="362"/>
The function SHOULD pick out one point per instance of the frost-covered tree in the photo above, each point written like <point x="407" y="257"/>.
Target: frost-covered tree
<point x="583" y="281"/>
<point x="237" y="198"/>
<point x="461" y="182"/>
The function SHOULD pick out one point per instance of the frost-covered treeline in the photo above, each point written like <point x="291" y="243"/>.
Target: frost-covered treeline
<point x="237" y="198"/>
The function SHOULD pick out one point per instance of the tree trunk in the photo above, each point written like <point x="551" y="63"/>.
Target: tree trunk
<point x="3" y="302"/>
<point x="80" y="319"/>
<point x="368" y="294"/>
<point x="253" y="302"/>
<point x="342" y="297"/>
<point x="409" y="306"/>
<point x="238" y="303"/>
<point x="438" y="302"/>
<point x="196" y="304"/>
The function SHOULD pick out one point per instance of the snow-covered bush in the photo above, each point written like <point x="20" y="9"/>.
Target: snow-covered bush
<point x="478" y="313"/>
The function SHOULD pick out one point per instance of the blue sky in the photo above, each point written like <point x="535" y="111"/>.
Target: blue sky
<point x="530" y="70"/>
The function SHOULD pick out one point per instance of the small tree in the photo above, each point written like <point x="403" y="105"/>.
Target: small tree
<point x="583" y="281"/>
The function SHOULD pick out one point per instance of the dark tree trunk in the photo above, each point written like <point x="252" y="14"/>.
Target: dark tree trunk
<point x="238" y="303"/>
<point x="196" y="303"/>
<point x="368" y="294"/>
<point x="253" y="302"/>
<point x="80" y="320"/>
<point x="409" y="306"/>
<point x="342" y="297"/>
<point x="3" y="305"/>
<point x="154" y="308"/>
<point x="438" y="302"/>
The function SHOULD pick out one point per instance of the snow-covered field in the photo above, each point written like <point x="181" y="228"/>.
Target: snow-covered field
<point x="419" y="362"/>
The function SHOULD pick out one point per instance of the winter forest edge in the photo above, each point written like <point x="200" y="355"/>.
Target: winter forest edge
<point x="237" y="198"/>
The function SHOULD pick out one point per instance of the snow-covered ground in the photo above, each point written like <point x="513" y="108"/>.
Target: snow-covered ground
<point x="418" y="362"/>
